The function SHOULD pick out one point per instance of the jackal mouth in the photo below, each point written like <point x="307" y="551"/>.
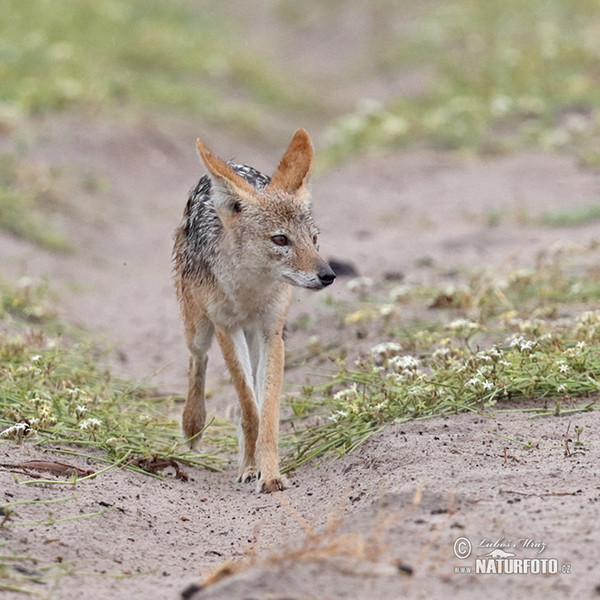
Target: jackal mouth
<point x="315" y="283"/>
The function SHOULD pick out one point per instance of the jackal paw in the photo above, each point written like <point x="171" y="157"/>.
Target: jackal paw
<point x="271" y="484"/>
<point x="248" y="474"/>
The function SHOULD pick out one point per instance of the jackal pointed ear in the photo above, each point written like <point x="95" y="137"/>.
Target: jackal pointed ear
<point x="294" y="168"/>
<point x="230" y="189"/>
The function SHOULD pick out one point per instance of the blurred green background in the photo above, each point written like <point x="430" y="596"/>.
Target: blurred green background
<point x="478" y="76"/>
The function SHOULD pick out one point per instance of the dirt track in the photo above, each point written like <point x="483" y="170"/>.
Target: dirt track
<point x="411" y="491"/>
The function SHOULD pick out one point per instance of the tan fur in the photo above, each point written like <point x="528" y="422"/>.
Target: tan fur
<point x="294" y="168"/>
<point x="244" y="295"/>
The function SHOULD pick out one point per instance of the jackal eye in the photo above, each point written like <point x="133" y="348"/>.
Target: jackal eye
<point x="315" y="239"/>
<point x="280" y="240"/>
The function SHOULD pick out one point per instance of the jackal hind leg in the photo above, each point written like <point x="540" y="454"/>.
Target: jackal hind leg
<point x="194" y="411"/>
<point x="235" y="351"/>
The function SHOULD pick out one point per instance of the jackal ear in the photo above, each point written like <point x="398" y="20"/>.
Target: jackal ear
<point x="294" y="168"/>
<point x="230" y="189"/>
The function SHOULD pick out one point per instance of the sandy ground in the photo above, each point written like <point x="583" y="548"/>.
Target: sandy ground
<point x="381" y="522"/>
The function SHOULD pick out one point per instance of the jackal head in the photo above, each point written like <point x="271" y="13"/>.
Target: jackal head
<point x="270" y="232"/>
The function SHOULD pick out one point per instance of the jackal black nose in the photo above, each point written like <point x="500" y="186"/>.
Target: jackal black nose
<point x="326" y="276"/>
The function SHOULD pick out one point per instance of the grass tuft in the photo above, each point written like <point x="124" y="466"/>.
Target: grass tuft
<point x="59" y="396"/>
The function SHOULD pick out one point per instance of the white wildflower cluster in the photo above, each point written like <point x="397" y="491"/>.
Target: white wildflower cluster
<point x="386" y="310"/>
<point x="442" y="355"/>
<point x="380" y="352"/>
<point x="524" y="346"/>
<point x="463" y="328"/>
<point x="74" y="392"/>
<point x="350" y="399"/>
<point x="91" y="424"/>
<point x="360" y="285"/>
<point x="42" y="402"/>
<point x="372" y="117"/>
<point x="588" y="326"/>
<point x="530" y="327"/>
<point x="400" y="293"/>
<point x="338" y="415"/>
<point x="480" y="384"/>
<point x="491" y="356"/>
<point x="30" y="370"/>
<point x="347" y="394"/>
<point x="399" y="364"/>
<point x="18" y="431"/>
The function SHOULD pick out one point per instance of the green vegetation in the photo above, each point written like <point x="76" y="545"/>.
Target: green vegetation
<point x="59" y="54"/>
<point x="59" y="396"/>
<point x="572" y="217"/>
<point x="27" y="190"/>
<point x="499" y="340"/>
<point x="26" y="302"/>
<point x="506" y="74"/>
<point x="137" y="57"/>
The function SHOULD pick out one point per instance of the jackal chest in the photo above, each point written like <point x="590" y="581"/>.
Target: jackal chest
<point x="246" y="307"/>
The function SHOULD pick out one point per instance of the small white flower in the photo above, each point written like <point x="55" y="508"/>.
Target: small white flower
<point x="563" y="368"/>
<point x="338" y="415"/>
<point x="463" y="328"/>
<point x="441" y="353"/>
<point x="347" y="394"/>
<point x="400" y="292"/>
<point x="522" y="344"/>
<point x="403" y="363"/>
<point x="91" y="423"/>
<point x="360" y="285"/>
<point x="36" y="358"/>
<point x="386" y="310"/>
<point x="80" y="410"/>
<point x="16" y="431"/>
<point x="385" y="350"/>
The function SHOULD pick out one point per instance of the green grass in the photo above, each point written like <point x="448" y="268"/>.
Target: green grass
<point x="492" y="339"/>
<point x="58" y="395"/>
<point x="506" y="74"/>
<point x="574" y="217"/>
<point x="60" y="54"/>
<point x="26" y="302"/>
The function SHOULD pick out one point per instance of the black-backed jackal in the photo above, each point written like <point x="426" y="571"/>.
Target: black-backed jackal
<point x="244" y="240"/>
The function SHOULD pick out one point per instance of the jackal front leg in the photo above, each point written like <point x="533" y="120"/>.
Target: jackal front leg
<point x="271" y="363"/>
<point x="237" y="357"/>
